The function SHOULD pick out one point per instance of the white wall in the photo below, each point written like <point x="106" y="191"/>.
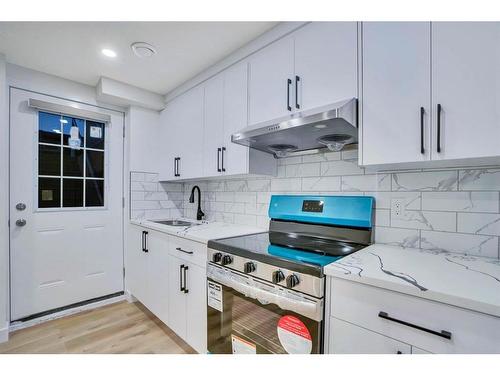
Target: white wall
<point x="4" y="204"/>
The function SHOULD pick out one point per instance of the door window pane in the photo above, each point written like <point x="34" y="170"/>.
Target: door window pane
<point x="72" y="192"/>
<point x="95" y="135"/>
<point x="95" y="164"/>
<point x="49" y="160"/>
<point x="49" y="192"/>
<point x="94" y="193"/>
<point x="49" y="128"/>
<point x="71" y="122"/>
<point x="72" y="162"/>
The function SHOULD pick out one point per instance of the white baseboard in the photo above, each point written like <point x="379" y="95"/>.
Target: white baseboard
<point x="130" y="298"/>
<point x="60" y="314"/>
<point x="4" y="333"/>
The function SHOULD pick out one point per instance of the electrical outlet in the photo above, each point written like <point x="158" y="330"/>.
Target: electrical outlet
<point x="397" y="207"/>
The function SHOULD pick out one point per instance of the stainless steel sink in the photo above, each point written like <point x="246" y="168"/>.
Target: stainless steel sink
<point x="175" y="223"/>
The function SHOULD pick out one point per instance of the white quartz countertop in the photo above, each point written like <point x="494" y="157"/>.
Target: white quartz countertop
<point x="465" y="281"/>
<point x="201" y="233"/>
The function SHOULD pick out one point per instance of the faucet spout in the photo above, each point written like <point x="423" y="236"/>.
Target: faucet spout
<point x="199" y="212"/>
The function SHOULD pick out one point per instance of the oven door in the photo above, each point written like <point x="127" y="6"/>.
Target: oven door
<point x="248" y="315"/>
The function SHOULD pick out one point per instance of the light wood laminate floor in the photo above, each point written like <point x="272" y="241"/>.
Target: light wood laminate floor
<point x="118" y="328"/>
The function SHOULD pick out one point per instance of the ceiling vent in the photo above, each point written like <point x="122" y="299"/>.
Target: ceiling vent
<point x="143" y="50"/>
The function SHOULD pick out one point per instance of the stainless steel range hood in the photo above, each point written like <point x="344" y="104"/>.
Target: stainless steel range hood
<point x="331" y="127"/>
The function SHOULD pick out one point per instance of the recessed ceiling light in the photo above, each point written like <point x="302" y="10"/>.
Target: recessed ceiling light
<point x="142" y="49"/>
<point x="108" y="52"/>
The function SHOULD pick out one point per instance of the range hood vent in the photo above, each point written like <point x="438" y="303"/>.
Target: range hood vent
<point x="331" y="127"/>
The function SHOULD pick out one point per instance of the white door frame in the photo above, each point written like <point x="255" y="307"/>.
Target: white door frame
<point x="124" y="189"/>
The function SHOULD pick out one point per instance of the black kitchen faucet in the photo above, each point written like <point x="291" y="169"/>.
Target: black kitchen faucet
<point x="199" y="212"/>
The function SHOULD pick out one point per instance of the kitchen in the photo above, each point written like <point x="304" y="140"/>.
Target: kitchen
<point x="299" y="187"/>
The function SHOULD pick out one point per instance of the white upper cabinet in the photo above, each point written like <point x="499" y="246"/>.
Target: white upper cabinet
<point x="270" y="92"/>
<point x="395" y="101"/>
<point x="466" y="83"/>
<point x="235" y="118"/>
<point x="214" y="126"/>
<point x="325" y="64"/>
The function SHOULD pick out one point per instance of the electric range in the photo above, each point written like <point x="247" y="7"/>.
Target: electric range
<point x="266" y="291"/>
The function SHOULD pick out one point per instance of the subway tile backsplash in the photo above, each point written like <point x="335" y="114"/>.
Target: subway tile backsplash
<point x="456" y="210"/>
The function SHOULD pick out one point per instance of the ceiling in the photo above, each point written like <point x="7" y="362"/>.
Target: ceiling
<point x="72" y="50"/>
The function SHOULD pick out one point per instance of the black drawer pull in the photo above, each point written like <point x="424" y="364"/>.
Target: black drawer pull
<point x="288" y="83"/>
<point x="422" y="113"/>
<point x="181" y="267"/>
<point x="444" y="334"/>
<point x="223" y="167"/>
<point x="184" y="251"/>
<point x="219" y="150"/>
<point x="439" y="109"/>
<point x="297" y="80"/>
<point x="145" y="241"/>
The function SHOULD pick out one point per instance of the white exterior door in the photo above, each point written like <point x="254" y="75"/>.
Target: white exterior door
<point x="70" y="248"/>
<point x="466" y="84"/>
<point x="396" y="86"/>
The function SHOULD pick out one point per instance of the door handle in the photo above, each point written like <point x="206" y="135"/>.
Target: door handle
<point x="222" y="159"/>
<point x="145" y="241"/>
<point x="20" y="222"/>
<point x="181" y="268"/>
<point x="297" y="80"/>
<point x="288" y="83"/>
<point x="438" y="148"/>
<point x="186" y="290"/>
<point x="218" y="159"/>
<point x="422" y="113"/>
<point x="444" y="334"/>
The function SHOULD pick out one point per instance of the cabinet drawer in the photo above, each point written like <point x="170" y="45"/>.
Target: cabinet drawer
<point x="192" y="251"/>
<point x="360" y="304"/>
<point x="347" y="338"/>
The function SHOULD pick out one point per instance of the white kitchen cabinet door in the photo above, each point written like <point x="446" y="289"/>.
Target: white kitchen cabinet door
<point x="196" y="308"/>
<point x="466" y="83"/>
<point x="235" y="118"/>
<point x="136" y="267"/>
<point x="158" y="275"/>
<point x="191" y="126"/>
<point x="170" y="144"/>
<point x="270" y="70"/>
<point x="347" y="338"/>
<point x="325" y="64"/>
<point x="396" y="76"/>
<point x="176" y="297"/>
<point x="214" y="126"/>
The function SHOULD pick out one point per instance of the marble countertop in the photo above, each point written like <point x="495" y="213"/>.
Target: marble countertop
<point x="203" y="232"/>
<point x="465" y="281"/>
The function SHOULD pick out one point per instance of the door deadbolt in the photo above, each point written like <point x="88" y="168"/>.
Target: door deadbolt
<point x="20" y="222"/>
<point x="20" y="206"/>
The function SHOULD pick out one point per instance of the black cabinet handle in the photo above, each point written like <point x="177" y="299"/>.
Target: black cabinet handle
<point x="288" y="83"/>
<point x="218" y="159"/>
<point x="399" y="352"/>
<point x="142" y="240"/>
<point x="439" y="128"/>
<point x="422" y="113"/>
<point x="186" y="290"/>
<point x="444" y="334"/>
<point x="184" y="251"/>
<point x="178" y="166"/>
<point x="181" y="267"/>
<point x="145" y="241"/>
<point x="297" y="80"/>
<point x="175" y="167"/>
<point x="223" y="150"/>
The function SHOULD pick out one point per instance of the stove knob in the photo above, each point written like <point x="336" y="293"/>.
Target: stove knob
<point x="216" y="257"/>
<point x="292" y="281"/>
<point x="249" y="267"/>
<point x="278" y="276"/>
<point x="226" y="259"/>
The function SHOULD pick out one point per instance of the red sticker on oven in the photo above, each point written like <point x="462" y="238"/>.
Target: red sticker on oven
<point x="294" y="335"/>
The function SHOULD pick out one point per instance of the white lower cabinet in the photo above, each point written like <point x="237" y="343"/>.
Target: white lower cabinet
<point x="167" y="274"/>
<point x="347" y="338"/>
<point x="367" y="319"/>
<point x="187" y="290"/>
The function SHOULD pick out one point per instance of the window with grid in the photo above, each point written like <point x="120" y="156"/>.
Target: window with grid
<point x="71" y="155"/>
